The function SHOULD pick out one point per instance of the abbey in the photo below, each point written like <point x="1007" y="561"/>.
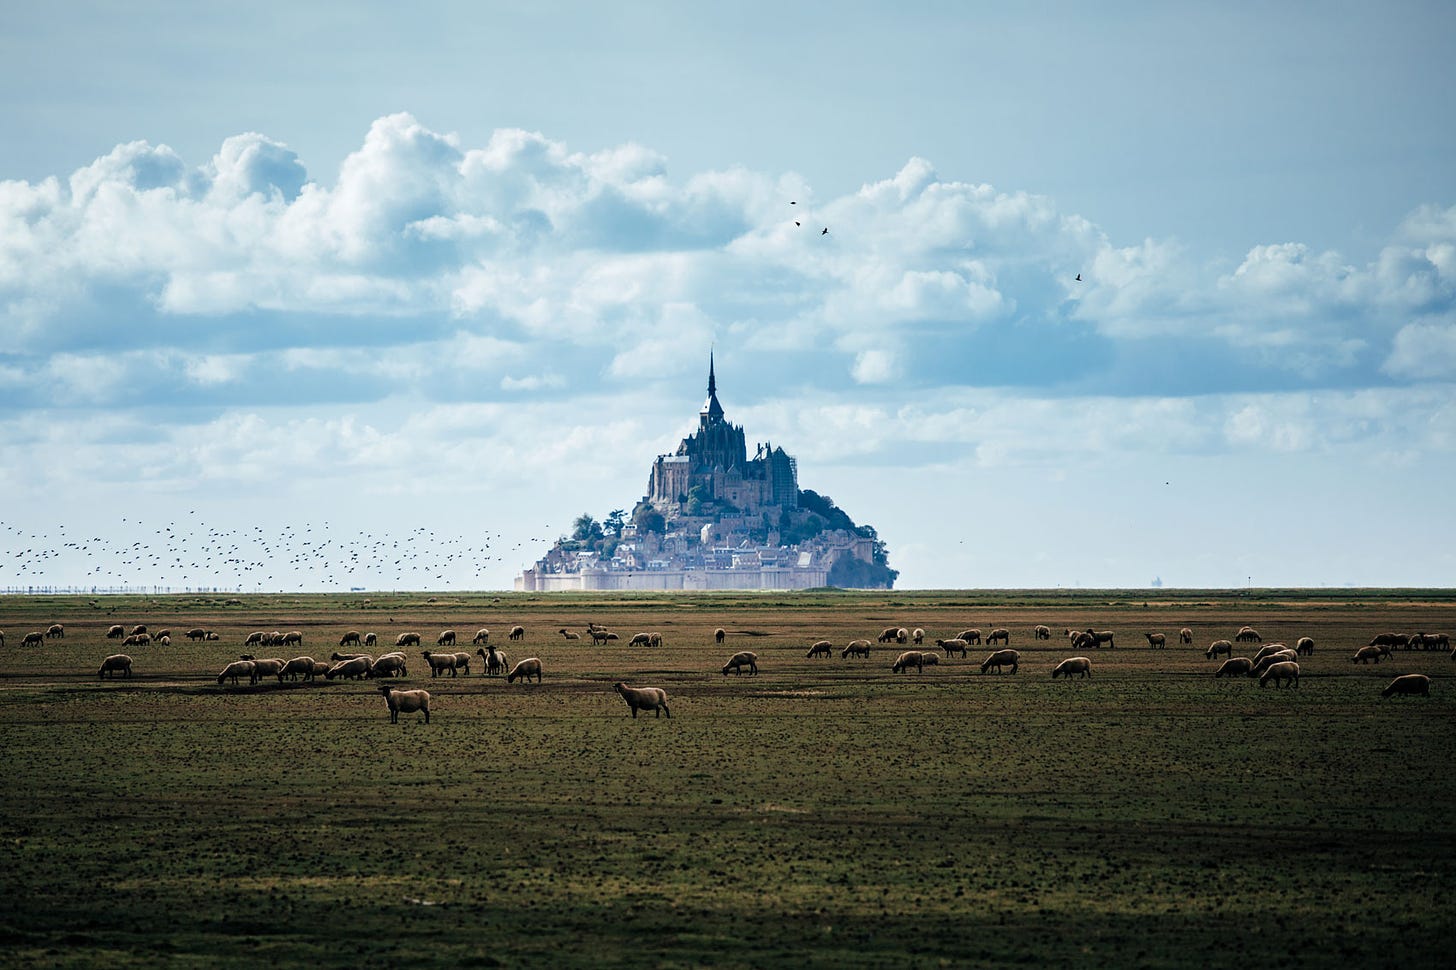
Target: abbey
<point x="713" y="518"/>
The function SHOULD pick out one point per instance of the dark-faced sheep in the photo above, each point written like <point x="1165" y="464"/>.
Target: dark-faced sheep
<point x="236" y="669"/>
<point x="1073" y="665"/>
<point x="741" y="659"/>
<point x="973" y="637"/>
<point x="644" y="699"/>
<point x="445" y="639"/>
<point x="1002" y="658"/>
<point x="1156" y="641"/>
<point x="406" y="701"/>
<point x="370" y="639"/>
<point x="440" y="662"/>
<point x="1389" y="640"/>
<point x="267" y="667"/>
<point x="908" y="659"/>
<point x="407" y="640"/>
<point x="821" y="648"/>
<point x="1217" y="647"/>
<point x="1102" y="636"/>
<point x="525" y="670"/>
<point x="999" y="635"/>
<point x="35" y="638"/>
<point x="350" y="639"/>
<point x="902" y="635"/>
<point x="139" y="628"/>
<point x="888" y="634"/>
<point x="952" y="645"/>
<point x="212" y="636"/>
<point x="296" y="667"/>
<point x="116" y="632"/>
<point x="112" y="664"/>
<point x="1185" y="635"/>
<point x="1285" y="673"/>
<point x="254" y="639"/>
<point x="1409" y="684"/>
<point x="56" y="630"/>
<point x="599" y="637"/>
<point x="517" y="632"/>
<point x="855" y="648"/>
<point x="494" y="660"/>
<point x="197" y="633"/>
<point x="1234" y="667"/>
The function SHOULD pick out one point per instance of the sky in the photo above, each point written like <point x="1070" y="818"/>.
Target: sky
<point x="297" y="301"/>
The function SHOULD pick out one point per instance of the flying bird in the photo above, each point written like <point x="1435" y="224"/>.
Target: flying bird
<point x="1079" y="277"/>
<point x="824" y="231"/>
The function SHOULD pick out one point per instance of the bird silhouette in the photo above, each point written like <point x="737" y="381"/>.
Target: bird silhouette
<point x="824" y="231"/>
<point x="1079" y="277"/>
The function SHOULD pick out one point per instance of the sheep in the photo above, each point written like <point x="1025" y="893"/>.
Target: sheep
<point x="1390" y="640"/>
<point x="856" y="648"/>
<point x="439" y="662"/>
<point x="1073" y="665"/>
<point x="320" y="669"/>
<point x="211" y="636"/>
<point x="1368" y="653"/>
<point x="267" y="667"/>
<point x="370" y="639"/>
<point x="116" y="632"/>
<point x="1304" y="646"/>
<point x="1267" y="649"/>
<point x="908" y="659"/>
<point x="719" y="634"/>
<point x="1156" y="641"/>
<point x="517" y="633"/>
<point x="599" y="636"/>
<point x="1248" y="634"/>
<point x="482" y="636"/>
<point x="1217" y="647"/>
<point x="112" y="664"/>
<point x="296" y="666"/>
<point x="1101" y="637"/>
<point x="163" y="641"/>
<point x="821" y="648"/>
<point x="2" y="638"/>
<point x="254" y="638"/>
<point x="389" y="665"/>
<point x="1269" y="660"/>
<point x="1082" y="640"/>
<point x="1234" y="667"/>
<point x="655" y="640"/>
<point x="336" y="657"/>
<point x="902" y="635"/>
<point x="1040" y="632"/>
<point x="568" y="634"/>
<point x="644" y="699"/>
<point x="55" y="630"/>
<point x="917" y="636"/>
<point x="887" y="634"/>
<point x="135" y="640"/>
<point x="236" y="669"/>
<point x="352" y="669"/>
<point x="445" y="639"/>
<point x="162" y="633"/>
<point x="350" y="639"/>
<point x="139" y="628"/>
<point x="1000" y="659"/>
<point x="1185" y="635"/>
<point x="197" y="633"/>
<point x="293" y="638"/>
<point x="407" y="701"/>
<point x="494" y="661"/>
<point x="952" y="646"/>
<point x="972" y="637"/>
<point x="928" y="659"/>
<point x="407" y="640"/>
<point x="1284" y="673"/>
<point x="1000" y="633"/>
<point x="1431" y="641"/>
<point x="1408" y="684"/>
<point x="744" y="658"/>
<point x="35" y="638"/>
<point x="525" y="670"/>
<point x="639" y="640"/>
<point x="462" y="662"/>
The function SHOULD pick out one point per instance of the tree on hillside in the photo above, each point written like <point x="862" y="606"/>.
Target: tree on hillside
<point x="586" y="530"/>
<point x="615" y="520"/>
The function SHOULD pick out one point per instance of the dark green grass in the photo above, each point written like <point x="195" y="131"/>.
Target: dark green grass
<point x="824" y="813"/>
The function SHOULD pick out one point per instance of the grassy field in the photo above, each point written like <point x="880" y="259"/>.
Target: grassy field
<point x="823" y="813"/>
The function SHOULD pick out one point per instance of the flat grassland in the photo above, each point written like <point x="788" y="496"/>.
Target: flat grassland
<point x="822" y="813"/>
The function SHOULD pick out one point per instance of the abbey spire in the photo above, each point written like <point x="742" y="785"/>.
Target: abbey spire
<point x="712" y="411"/>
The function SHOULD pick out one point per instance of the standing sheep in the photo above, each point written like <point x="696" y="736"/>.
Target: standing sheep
<point x="973" y="637"/>
<point x="55" y="630"/>
<point x="1101" y="637"/>
<point x="1304" y="646"/>
<point x="407" y="701"/>
<point x="445" y="639"/>
<point x="389" y="665"/>
<point x="917" y="636"/>
<point x="1041" y="632"/>
<point x="112" y="664"/>
<point x="644" y="699"/>
<point x="999" y="634"/>
<point x="639" y="640"/>
<point x="952" y="646"/>
<point x="1410" y="684"/>
<point x="744" y="658"/>
<point x="902" y="635"/>
<point x="517" y="633"/>
<point x="370" y="639"/>
<point x="407" y="640"/>
<point x="856" y="648"/>
<point x="296" y="666"/>
<point x="354" y="668"/>
<point x="1248" y="634"/>
<point x="482" y="636"/>
<point x="439" y="662"/>
<point x="821" y="648"/>
<point x="1000" y="659"/>
<point x="1235" y="667"/>
<point x="268" y="667"/>
<point x="35" y="638"/>
<point x="908" y="659"/>
<point x="1366" y="654"/>
<point x="236" y="669"/>
<point x="888" y="633"/>
<point x="1073" y="665"/>
<point x="1219" y="647"/>
<point x="655" y="640"/>
<point x="1284" y="673"/>
<point x="1185" y="635"/>
<point x="197" y="633"/>
<point x="350" y="639"/>
<point x="462" y="662"/>
<point x="525" y="670"/>
<point x="719" y="634"/>
<point x="116" y="632"/>
<point x="1156" y="641"/>
<point x="495" y="661"/>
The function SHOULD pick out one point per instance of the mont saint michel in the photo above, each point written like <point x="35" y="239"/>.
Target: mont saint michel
<point x="713" y="518"/>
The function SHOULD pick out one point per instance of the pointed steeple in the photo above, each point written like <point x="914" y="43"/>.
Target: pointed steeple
<point x="712" y="410"/>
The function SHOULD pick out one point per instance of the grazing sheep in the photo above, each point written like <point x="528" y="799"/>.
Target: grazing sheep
<point x="952" y="646"/>
<point x="1000" y="659"/>
<point x="445" y="639"/>
<point x="1284" y="673"/>
<point x="1156" y="641"/>
<point x="1185" y="635"/>
<point x="644" y="699"/>
<point x="1073" y="665"/>
<point x="116" y="632"/>
<point x="1267" y="649"/>
<point x="1269" y="660"/>
<point x="407" y="640"/>
<point x="35" y="638"/>
<point x="525" y="670"/>
<point x="1000" y="634"/>
<point x="1217" y="647"/>
<point x="212" y="636"/>
<point x="135" y="640"/>
<point x="494" y="660"/>
<point x="293" y="638"/>
<point x="163" y="641"/>
<point x="821" y="648"/>
<point x="320" y="669"/>
<point x="462" y="662"/>
<point x="1082" y="640"/>
<point x="856" y="648"/>
<point x="296" y="666"/>
<point x="888" y="633"/>
<point x="1390" y="640"/>
<point x="267" y="667"/>
<point x="254" y="639"/>
<point x="908" y="659"/>
<point x="569" y="635"/>
<point x="389" y="665"/>
<point x="1041" y="632"/>
<point x="139" y="628"/>
<point x="197" y="633"/>
<point x="350" y="639"/>
<point x="517" y="632"/>
<point x="1248" y="634"/>
<point x="1431" y="641"/>
<point x="1304" y="646"/>
<point x="600" y="637"/>
<point x="1366" y="654"/>
<point x="973" y="637"/>
<point x="1235" y="667"/>
<point x="236" y="669"/>
<point x="928" y="659"/>
<point x="352" y="669"/>
<point x="917" y="636"/>
<point x="655" y="640"/>
<point x="2" y="638"/>
<point x="56" y="630"/>
<point x="741" y="659"/>
<point x="370" y="639"/>
<point x="1408" y="684"/>
<point x="1101" y="637"/>
<point x="482" y="636"/>
<point x="640" y="640"/>
<point x="112" y="664"/>
<point x="439" y="662"/>
<point x="337" y="657"/>
<point x="719" y="634"/>
<point x="407" y="701"/>
<point x="902" y="635"/>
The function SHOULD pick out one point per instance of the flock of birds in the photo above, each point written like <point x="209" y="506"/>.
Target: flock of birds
<point x="191" y="555"/>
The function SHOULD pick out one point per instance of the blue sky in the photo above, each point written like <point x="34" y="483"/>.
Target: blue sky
<point x="458" y="268"/>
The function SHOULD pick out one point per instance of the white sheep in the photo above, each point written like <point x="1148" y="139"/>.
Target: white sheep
<point x="1269" y="660"/>
<point x="639" y="640"/>
<point x="517" y="633"/>
<point x="370" y="639"/>
<point x="917" y="636"/>
<point x="494" y="660"/>
<point x="952" y="646"/>
<point x="116" y="662"/>
<point x="1001" y="634"/>
<point x="349" y="639"/>
<point x="1219" y="647"/>
<point x="1248" y="634"/>
<point x="236" y="669"/>
<point x="1185" y="635"/>
<point x="856" y="648"/>
<point x="320" y="669"/>
<point x="888" y="633"/>
<point x="644" y="699"/>
<point x="389" y="665"/>
<point x="56" y="630"/>
<point x="908" y="659"/>
<point x="296" y="666"/>
<point x="254" y="639"/>
<point x="1002" y="658"/>
<point x="1366" y="654"/>
<point x="1286" y="672"/>
<point x="1156" y="641"/>
<point x="268" y="667"/>
<point x="1267" y="649"/>
<point x="482" y="636"/>
<point x="1041" y="632"/>
<point x="445" y="639"/>
<point x="744" y="658"/>
<point x="655" y="640"/>
<point x="1409" y="684"/>
<point x="821" y="648"/>
<point x="441" y="662"/>
<point x="407" y="640"/>
<point x="1073" y="665"/>
<point x="568" y="634"/>
<point x="1234" y="667"/>
<point x="351" y="669"/>
<point x="719" y="634"/>
<point x="293" y="638"/>
<point x="525" y="670"/>
<point x="164" y="641"/>
<point x="973" y="637"/>
<point x="407" y="701"/>
<point x="116" y="632"/>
